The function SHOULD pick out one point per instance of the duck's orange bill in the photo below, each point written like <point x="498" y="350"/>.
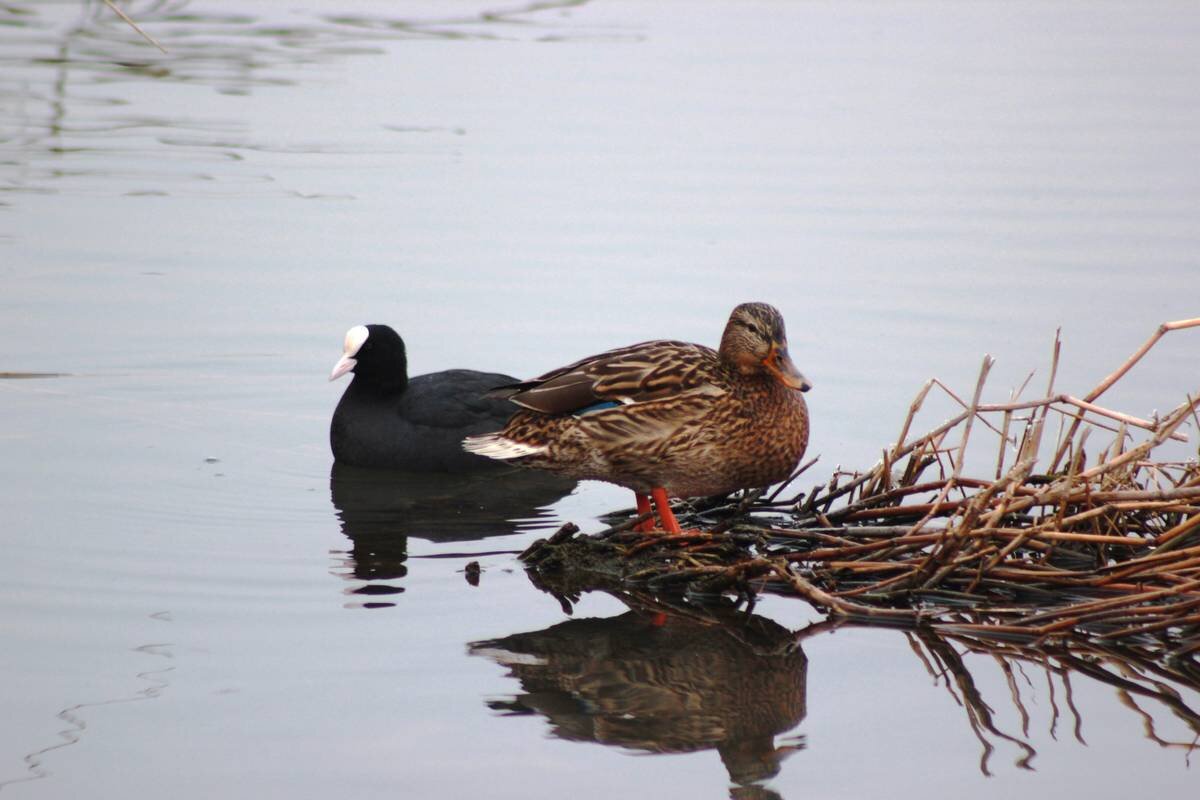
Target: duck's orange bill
<point x="780" y="364"/>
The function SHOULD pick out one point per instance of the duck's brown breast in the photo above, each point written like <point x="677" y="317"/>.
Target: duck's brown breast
<point x="755" y="440"/>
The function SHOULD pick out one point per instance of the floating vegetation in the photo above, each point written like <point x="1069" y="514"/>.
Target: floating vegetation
<point x="1087" y="552"/>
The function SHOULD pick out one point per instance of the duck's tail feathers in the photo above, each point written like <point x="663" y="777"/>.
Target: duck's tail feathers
<point x="500" y="447"/>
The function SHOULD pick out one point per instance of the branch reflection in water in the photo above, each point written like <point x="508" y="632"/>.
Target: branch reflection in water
<point x="672" y="676"/>
<point x="1143" y="682"/>
<point x="71" y="76"/>
<point x="380" y="509"/>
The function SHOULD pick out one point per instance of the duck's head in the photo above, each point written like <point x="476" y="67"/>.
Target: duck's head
<point x="755" y="342"/>
<point x="374" y="353"/>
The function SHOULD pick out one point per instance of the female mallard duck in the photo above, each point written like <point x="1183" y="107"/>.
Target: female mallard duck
<point x="664" y="417"/>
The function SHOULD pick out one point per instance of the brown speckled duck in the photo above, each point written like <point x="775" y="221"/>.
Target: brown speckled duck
<point x="664" y="417"/>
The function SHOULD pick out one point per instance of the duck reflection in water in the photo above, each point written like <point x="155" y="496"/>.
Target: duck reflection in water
<point x="380" y="509"/>
<point x="670" y="676"/>
<point x="671" y="679"/>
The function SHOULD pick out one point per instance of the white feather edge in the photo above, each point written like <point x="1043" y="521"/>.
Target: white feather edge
<point x="493" y="445"/>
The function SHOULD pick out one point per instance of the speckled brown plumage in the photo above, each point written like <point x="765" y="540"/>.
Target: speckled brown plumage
<point x="684" y="417"/>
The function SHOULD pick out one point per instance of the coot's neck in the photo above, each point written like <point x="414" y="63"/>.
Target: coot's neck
<point x="375" y="380"/>
<point x="381" y="385"/>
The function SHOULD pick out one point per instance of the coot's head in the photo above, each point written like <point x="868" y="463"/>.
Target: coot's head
<point x="375" y="354"/>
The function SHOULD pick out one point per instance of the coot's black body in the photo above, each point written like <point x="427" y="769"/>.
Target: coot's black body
<point x="387" y="420"/>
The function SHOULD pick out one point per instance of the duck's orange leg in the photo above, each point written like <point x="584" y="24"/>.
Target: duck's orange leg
<point x="643" y="507"/>
<point x="669" y="523"/>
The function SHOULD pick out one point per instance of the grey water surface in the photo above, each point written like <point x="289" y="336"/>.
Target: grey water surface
<point x="193" y="608"/>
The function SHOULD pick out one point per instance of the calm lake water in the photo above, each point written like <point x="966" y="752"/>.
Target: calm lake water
<point x="190" y="610"/>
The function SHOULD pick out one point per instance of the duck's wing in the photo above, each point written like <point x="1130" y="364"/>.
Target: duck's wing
<point x="636" y="374"/>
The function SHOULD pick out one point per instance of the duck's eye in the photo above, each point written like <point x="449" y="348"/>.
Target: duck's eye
<point x="754" y="329"/>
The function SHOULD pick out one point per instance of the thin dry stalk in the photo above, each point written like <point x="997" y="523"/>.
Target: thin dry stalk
<point x="117" y="10"/>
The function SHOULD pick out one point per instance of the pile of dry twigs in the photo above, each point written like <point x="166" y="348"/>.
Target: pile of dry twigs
<point x="1051" y="543"/>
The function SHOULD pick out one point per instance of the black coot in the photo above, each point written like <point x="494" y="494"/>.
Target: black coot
<point x="387" y="420"/>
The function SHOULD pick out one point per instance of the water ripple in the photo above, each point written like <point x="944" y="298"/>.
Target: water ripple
<point x="64" y="68"/>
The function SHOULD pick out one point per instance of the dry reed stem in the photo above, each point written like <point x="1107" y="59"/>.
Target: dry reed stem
<point x="1120" y="372"/>
<point x="117" y="10"/>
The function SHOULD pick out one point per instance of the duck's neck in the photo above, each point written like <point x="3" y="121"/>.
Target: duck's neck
<point x="746" y="368"/>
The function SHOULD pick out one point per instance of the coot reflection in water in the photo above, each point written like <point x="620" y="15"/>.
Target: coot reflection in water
<point x="380" y="509"/>
<point x="665" y="681"/>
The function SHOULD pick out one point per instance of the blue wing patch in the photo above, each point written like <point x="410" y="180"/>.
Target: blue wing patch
<point x="596" y="407"/>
